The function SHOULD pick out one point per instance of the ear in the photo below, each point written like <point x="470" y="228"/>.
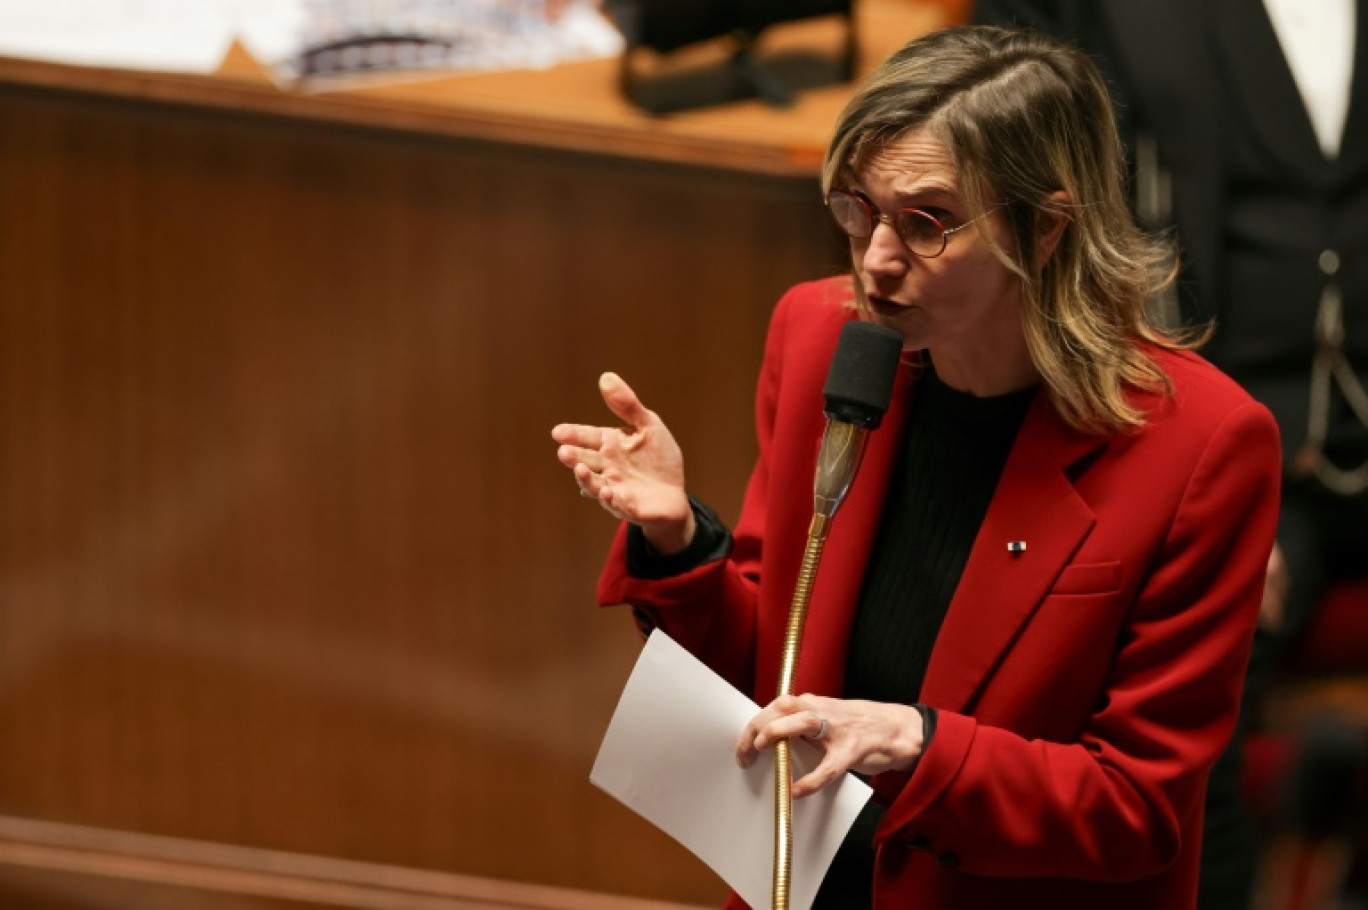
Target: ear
<point x="1050" y="225"/>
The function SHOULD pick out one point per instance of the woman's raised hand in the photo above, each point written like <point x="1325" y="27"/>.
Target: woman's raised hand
<point x="636" y="473"/>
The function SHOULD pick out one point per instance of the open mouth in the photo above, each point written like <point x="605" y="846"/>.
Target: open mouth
<point x="884" y="307"/>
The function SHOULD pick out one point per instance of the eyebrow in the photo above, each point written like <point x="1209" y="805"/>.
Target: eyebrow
<point x="924" y="195"/>
<point x="928" y="193"/>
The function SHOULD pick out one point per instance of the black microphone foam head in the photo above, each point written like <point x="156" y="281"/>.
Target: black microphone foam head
<point x="860" y="383"/>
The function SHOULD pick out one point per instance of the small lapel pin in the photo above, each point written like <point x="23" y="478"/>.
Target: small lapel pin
<point x="1016" y="547"/>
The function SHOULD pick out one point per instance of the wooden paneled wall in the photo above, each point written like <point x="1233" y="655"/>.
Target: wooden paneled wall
<point x="286" y="559"/>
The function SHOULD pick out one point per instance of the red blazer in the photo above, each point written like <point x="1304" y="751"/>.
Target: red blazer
<point x="1084" y="686"/>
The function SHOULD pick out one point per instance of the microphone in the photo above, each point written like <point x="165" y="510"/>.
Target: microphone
<point x="858" y="389"/>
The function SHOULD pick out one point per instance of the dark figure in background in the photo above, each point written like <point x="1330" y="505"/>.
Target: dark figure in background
<point x="1247" y="126"/>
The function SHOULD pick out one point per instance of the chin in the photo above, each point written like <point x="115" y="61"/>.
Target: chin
<point x="898" y="323"/>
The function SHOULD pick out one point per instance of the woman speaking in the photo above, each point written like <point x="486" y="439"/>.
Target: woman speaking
<point x="1034" y="610"/>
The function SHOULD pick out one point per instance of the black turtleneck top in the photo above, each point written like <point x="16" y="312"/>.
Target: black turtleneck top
<point x="953" y="453"/>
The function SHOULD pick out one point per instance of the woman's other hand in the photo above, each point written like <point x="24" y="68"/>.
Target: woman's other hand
<point x="865" y="736"/>
<point x="636" y="473"/>
<point x="1276" y="584"/>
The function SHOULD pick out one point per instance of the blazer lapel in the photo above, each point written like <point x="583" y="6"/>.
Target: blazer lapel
<point x="1035" y="503"/>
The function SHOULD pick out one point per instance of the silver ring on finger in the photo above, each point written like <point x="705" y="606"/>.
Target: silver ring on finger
<point x="821" y="731"/>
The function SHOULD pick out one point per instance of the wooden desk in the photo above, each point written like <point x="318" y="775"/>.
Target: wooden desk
<point x="285" y="557"/>
<point x="573" y="107"/>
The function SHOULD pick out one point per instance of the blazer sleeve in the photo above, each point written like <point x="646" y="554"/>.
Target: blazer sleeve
<point x="1112" y="804"/>
<point x="711" y="610"/>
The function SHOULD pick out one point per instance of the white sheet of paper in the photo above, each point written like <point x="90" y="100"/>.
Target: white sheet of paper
<point x="669" y="756"/>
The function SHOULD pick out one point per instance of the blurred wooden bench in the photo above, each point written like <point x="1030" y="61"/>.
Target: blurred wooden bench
<point x="49" y="865"/>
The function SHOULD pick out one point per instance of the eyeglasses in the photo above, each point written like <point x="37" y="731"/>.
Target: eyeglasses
<point x="921" y="232"/>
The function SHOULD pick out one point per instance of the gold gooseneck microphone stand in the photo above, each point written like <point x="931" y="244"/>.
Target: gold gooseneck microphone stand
<point x="839" y="456"/>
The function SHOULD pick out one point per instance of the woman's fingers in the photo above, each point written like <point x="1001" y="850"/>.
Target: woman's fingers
<point x="578" y="435"/>
<point x="826" y="772"/>
<point x="624" y="404"/>
<point x="787" y="719"/>
<point x="590" y="482"/>
<point x="864" y="736"/>
<point x="635" y="472"/>
<point x="784" y="718"/>
<point x="1276" y="585"/>
<point x="622" y="401"/>
<point x="791" y="726"/>
<point x="574" y="457"/>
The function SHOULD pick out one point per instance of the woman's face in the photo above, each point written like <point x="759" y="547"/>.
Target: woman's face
<point x="964" y="305"/>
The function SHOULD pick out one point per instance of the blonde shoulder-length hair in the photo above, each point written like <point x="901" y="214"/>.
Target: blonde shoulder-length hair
<point x="1024" y="117"/>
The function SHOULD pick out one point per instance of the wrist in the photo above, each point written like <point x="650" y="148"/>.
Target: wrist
<point x="670" y="538"/>
<point x="916" y="734"/>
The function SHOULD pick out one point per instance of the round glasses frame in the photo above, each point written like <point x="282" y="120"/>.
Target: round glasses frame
<point x="924" y="235"/>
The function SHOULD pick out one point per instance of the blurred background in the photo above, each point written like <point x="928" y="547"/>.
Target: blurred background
<point x="297" y="602"/>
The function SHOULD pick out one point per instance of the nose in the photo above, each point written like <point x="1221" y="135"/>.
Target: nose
<point x="885" y="255"/>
